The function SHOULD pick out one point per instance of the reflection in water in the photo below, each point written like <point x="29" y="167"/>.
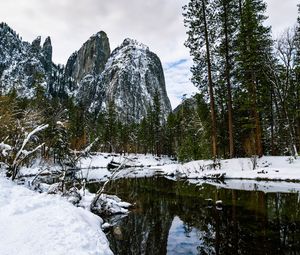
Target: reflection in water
<point x="183" y="239"/>
<point x="175" y="218"/>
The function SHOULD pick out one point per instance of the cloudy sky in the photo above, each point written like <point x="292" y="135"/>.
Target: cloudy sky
<point x="156" y="23"/>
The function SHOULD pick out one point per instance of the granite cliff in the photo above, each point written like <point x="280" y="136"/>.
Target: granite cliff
<point x="93" y="76"/>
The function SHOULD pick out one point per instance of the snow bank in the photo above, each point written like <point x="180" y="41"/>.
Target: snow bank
<point x="101" y="160"/>
<point x="252" y="185"/>
<point x="34" y="223"/>
<point x="94" y="167"/>
<point x="110" y="205"/>
<point x="267" y="168"/>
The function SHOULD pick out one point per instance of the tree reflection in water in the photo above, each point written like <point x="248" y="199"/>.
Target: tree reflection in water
<point x="175" y="218"/>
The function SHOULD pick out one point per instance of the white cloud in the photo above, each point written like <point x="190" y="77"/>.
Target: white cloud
<point x="178" y="75"/>
<point x="282" y="14"/>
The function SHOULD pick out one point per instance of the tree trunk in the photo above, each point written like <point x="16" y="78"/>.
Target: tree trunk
<point x="272" y="121"/>
<point x="229" y="93"/>
<point x="240" y="7"/>
<point x="258" y="132"/>
<point x="298" y="109"/>
<point x="210" y="84"/>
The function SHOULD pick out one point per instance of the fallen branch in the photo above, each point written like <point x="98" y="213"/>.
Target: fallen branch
<point x="115" y="173"/>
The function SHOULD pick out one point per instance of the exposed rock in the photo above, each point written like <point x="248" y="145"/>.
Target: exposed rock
<point x="130" y="76"/>
<point x="20" y="64"/>
<point x="108" y="205"/>
<point x="36" y="45"/>
<point x="47" y="54"/>
<point x="73" y="195"/>
<point x="89" y="60"/>
<point x="55" y="188"/>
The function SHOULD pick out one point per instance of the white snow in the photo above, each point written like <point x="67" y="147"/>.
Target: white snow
<point x="268" y="168"/>
<point x="253" y="185"/>
<point x="94" y="167"/>
<point x="4" y="148"/>
<point x="102" y="159"/>
<point x="33" y="223"/>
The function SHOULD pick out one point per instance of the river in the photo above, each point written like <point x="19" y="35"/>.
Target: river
<point x="178" y="217"/>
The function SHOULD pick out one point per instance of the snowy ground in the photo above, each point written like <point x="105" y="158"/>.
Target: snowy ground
<point x="136" y="160"/>
<point x="94" y="168"/>
<point x="251" y="185"/>
<point x="267" y="168"/>
<point x="33" y="223"/>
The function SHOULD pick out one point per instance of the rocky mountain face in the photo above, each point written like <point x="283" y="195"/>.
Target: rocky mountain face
<point x="24" y="65"/>
<point x="89" y="60"/>
<point x="94" y="76"/>
<point x="132" y="76"/>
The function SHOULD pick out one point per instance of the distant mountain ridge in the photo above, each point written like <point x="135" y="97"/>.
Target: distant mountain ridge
<point x="93" y="76"/>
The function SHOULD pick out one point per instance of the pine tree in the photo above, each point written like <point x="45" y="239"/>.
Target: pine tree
<point x="297" y="74"/>
<point x="199" y="18"/>
<point x="254" y="46"/>
<point x="143" y="135"/>
<point x="228" y="12"/>
<point x="111" y="126"/>
<point x="156" y="122"/>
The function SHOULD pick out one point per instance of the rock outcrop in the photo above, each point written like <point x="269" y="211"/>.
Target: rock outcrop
<point x="93" y="77"/>
<point x="132" y="76"/>
<point x="89" y="60"/>
<point x="22" y="65"/>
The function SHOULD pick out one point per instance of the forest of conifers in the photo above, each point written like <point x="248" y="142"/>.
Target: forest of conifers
<point x="248" y="101"/>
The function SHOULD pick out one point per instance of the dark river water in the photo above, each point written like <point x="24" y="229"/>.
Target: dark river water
<point x="176" y="218"/>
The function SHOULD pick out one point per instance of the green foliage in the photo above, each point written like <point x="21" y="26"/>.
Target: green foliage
<point x="256" y="91"/>
<point x="255" y="78"/>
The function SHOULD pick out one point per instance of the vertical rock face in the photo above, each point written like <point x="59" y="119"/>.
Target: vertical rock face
<point x="22" y="66"/>
<point x="132" y="76"/>
<point x="89" y="60"/>
<point x="47" y="54"/>
<point x="36" y="45"/>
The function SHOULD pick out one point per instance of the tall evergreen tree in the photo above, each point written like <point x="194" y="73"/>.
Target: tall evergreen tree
<point x="254" y="46"/>
<point x="227" y="19"/>
<point x="156" y="121"/>
<point x="199" y="18"/>
<point x="111" y="126"/>
<point x="297" y="73"/>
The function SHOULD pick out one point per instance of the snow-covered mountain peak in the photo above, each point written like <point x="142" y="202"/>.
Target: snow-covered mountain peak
<point x="6" y="29"/>
<point x="22" y="65"/>
<point x="90" y="59"/>
<point x="130" y="76"/>
<point x="100" y="34"/>
<point x="134" y="43"/>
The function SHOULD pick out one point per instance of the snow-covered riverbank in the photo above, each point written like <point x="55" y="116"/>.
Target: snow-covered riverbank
<point x="266" y="168"/>
<point x="33" y="223"/>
